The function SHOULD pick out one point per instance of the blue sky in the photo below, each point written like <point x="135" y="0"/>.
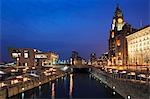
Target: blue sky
<point x="65" y="25"/>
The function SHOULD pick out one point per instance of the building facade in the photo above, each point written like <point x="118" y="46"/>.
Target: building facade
<point x="103" y="59"/>
<point x="93" y="59"/>
<point x="139" y="47"/>
<point x="32" y="57"/>
<point x="117" y="39"/>
<point x="76" y="59"/>
<point x="23" y="56"/>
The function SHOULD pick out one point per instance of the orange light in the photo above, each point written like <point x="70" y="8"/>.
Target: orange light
<point x="71" y="84"/>
<point x="112" y="34"/>
<point x="13" y="70"/>
<point x="118" y="42"/>
<point x="14" y="81"/>
<point x="53" y="90"/>
<point x="19" y="77"/>
<point x="25" y="79"/>
<point x="119" y="53"/>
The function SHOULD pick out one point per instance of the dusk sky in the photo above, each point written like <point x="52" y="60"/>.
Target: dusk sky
<point x="64" y="25"/>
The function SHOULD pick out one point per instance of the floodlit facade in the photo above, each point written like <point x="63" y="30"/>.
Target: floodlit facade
<point x="93" y="59"/>
<point x="117" y="39"/>
<point x="76" y="59"/>
<point x="103" y="60"/>
<point x="46" y="58"/>
<point x="139" y="47"/>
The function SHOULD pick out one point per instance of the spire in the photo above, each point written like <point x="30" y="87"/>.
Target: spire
<point x="118" y="12"/>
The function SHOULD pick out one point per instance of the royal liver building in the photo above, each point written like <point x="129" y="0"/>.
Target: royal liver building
<point x="117" y="40"/>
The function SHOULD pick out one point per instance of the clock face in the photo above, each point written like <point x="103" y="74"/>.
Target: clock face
<point x="120" y="20"/>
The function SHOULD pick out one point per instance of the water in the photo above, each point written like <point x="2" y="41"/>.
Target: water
<point x="78" y="85"/>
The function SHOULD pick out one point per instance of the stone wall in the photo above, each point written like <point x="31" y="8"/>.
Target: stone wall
<point x="3" y="93"/>
<point x="124" y="87"/>
<point x="21" y="87"/>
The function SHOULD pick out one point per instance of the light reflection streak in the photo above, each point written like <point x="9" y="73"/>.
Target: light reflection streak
<point x="22" y="95"/>
<point x="39" y="90"/>
<point x="53" y="90"/>
<point x="71" y="85"/>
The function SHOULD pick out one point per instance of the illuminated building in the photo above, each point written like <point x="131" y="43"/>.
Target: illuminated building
<point x="32" y="57"/>
<point x="23" y="56"/>
<point x="76" y="59"/>
<point x="139" y="47"/>
<point x="117" y="39"/>
<point x="103" y="60"/>
<point x="93" y="59"/>
<point x="46" y="58"/>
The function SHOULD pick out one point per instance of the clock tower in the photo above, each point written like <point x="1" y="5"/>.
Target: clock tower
<point x="118" y="19"/>
<point x="117" y="39"/>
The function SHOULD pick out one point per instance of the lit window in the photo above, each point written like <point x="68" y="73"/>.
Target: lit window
<point x="17" y="59"/>
<point x="118" y="42"/>
<point x="119" y="53"/>
<point x="112" y="34"/>
<point x="114" y="21"/>
<point x="14" y="55"/>
<point x="26" y="64"/>
<point x="26" y="54"/>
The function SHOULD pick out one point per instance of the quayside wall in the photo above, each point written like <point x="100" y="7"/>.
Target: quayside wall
<point x="127" y="88"/>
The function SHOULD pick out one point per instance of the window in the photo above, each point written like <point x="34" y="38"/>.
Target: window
<point x="26" y="54"/>
<point x="26" y="64"/>
<point x="119" y="53"/>
<point x="118" y="41"/>
<point x="14" y="55"/>
<point x="112" y="34"/>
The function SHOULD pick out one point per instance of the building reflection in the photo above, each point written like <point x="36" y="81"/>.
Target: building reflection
<point x="71" y="85"/>
<point x="22" y="95"/>
<point x="53" y="90"/>
<point x="39" y="90"/>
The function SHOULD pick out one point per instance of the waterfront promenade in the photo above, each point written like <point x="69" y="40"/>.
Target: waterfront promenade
<point x="16" y="88"/>
<point x="129" y="88"/>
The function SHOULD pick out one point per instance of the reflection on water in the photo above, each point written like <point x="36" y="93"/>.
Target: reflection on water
<point x="53" y="90"/>
<point x="39" y="90"/>
<point x="77" y="85"/>
<point x="71" y="85"/>
<point x="22" y="95"/>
